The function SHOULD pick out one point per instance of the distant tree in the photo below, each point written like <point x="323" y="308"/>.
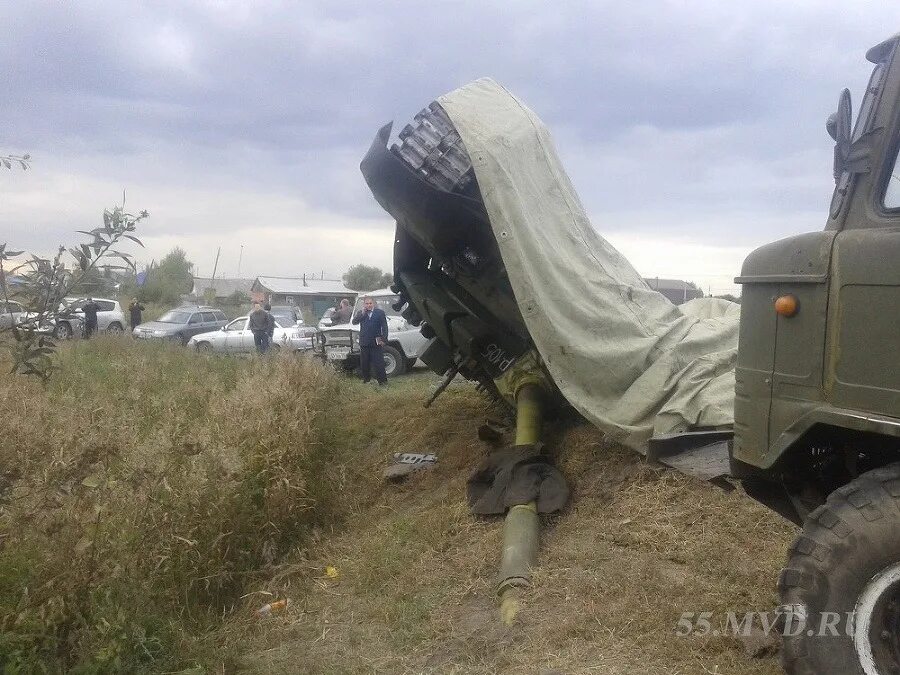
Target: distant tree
<point x="729" y="297"/>
<point x="169" y="279"/>
<point x="237" y="298"/>
<point x="365" y="278"/>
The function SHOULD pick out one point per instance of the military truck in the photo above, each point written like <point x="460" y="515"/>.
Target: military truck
<point x="816" y="431"/>
<point x="817" y="393"/>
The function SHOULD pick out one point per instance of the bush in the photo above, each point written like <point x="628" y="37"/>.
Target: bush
<point x="144" y="491"/>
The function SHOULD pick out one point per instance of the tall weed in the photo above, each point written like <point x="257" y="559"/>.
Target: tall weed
<point x="144" y="490"/>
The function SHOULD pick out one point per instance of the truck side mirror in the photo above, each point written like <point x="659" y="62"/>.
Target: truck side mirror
<point x="839" y="128"/>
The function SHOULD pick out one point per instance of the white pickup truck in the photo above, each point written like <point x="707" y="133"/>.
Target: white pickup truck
<point x="340" y="344"/>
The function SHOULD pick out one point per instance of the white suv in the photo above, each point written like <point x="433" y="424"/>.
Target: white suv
<point x="70" y="320"/>
<point x="340" y="344"/>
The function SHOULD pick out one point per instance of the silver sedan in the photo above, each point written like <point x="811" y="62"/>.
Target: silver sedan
<point x="235" y="338"/>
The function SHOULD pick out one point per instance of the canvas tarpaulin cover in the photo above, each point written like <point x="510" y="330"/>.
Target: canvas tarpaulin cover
<point x="624" y="356"/>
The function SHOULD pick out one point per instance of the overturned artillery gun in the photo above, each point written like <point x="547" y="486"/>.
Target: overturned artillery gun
<point x="496" y="260"/>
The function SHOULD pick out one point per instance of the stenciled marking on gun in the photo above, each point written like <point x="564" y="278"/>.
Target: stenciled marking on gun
<point x="496" y="355"/>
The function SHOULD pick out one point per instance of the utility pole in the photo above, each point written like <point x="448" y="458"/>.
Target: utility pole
<point x="216" y="264"/>
<point x="240" y="257"/>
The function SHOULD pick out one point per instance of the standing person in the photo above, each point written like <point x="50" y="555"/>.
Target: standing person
<point x="373" y="335"/>
<point x="270" y="325"/>
<point x="259" y="325"/>
<point x="135" y="313"/>
<point x="90" y="309"/>
<point x="342" y="314"/>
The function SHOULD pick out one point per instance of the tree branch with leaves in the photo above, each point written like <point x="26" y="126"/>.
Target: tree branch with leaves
<point x="47" y="282"/>
<point x="11" y="160"/>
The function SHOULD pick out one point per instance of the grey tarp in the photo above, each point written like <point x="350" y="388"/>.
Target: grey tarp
<point x="623" y="355"/>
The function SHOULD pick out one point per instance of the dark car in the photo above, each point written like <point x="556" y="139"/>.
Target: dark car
<point x="181" y="324"/>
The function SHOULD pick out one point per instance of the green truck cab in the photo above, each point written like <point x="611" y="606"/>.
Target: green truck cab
<point x="817" y="396"/>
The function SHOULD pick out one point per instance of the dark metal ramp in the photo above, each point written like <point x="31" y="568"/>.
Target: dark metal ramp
<point x="702" y="454"/>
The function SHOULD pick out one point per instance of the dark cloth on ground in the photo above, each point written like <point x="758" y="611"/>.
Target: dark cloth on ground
<point x="516" y="475"/>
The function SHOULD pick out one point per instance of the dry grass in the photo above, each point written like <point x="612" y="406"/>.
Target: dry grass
<point x="416" y="593"/>
<point x="226" y="483"/>
<point x="144" y="492"/>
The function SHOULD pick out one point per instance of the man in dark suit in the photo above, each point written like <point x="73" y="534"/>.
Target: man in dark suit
<point x="373" y="335"/>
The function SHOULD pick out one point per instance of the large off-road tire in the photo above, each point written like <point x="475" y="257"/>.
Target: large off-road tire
<point x="846" y="562"/>
<point x="394" y="362"/>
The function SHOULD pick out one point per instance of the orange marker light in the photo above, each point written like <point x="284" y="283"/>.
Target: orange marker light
<point x="786" y="305"/>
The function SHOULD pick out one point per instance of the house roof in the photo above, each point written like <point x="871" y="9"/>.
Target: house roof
<point x="224" y="287"/>
<point x="301" y="286"/>
<point x="670" y="285"/>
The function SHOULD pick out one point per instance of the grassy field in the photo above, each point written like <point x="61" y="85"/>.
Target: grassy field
<point x="151" y="501"/>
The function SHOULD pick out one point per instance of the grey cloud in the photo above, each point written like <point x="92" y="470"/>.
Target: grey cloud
<point x="680" y="109"/>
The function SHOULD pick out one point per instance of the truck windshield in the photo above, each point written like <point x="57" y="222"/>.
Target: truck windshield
<point x="384" y="302"/>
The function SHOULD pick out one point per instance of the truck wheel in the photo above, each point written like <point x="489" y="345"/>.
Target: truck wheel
<point x="841" y="586"/>
<point x="394" y="363"/>
<point x="115" y="328"/>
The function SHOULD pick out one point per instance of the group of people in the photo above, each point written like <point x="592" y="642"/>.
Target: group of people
<point x="372" y="322"/>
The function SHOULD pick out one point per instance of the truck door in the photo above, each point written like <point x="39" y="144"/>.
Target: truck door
<point x="861" y="365"/>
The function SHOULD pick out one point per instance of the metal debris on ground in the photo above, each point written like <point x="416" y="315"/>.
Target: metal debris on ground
<point x="405" y="463"/>
<point x="272" y="607"/>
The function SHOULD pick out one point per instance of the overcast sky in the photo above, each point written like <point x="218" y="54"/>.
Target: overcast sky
<point x="694" y="131"/>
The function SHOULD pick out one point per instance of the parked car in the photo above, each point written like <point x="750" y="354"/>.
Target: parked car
<point x="181" y="324"/>
<point x="69" y="319"/>
<point x="12" y="314"/>
<point x="287" y="315"/>
<point x="340" y="344"/>
<point x="235" y="338"/>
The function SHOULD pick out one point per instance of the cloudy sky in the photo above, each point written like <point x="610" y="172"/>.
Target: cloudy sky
<point x="693" y="130"/>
